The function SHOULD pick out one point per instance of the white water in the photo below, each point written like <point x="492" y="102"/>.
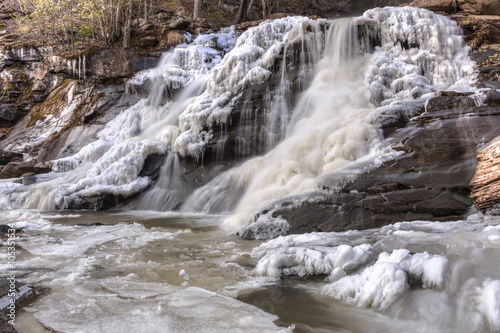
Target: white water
<point x="150" y="271"/>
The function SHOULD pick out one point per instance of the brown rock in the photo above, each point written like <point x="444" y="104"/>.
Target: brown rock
<point x="18" y="169"/>
<point x="148" y="41"/>
<point x="447" y="6"/>
<point x="485" y="7"/>
<point x="175" y="37"/>
<point x="485" y="186"/>
<point x="111" y="63"/>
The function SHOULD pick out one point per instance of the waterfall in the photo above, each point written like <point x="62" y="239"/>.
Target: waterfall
<point x="341" y="70"/>
<point x="333" y="124"/>
<point x="165" y="194"/>
<point x="330" y="127"/>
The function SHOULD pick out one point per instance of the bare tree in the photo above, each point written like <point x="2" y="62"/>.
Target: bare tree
<point x="128" y="23"/>
<point x="242" y="12"/>
<point x="146" y="12"/>
<point x="197" y="9"/>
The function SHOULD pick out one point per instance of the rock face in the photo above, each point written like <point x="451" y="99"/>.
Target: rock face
<point x="485" y="7"/>
<point x="485" y="186"/>
<point x="24" y="81"/>
<point x="114" y="63"/>
<point x="22" y="169"/>
<point x="429" y="181"/>
<point x="479" y="29"/>
<point x="447" y="6"/>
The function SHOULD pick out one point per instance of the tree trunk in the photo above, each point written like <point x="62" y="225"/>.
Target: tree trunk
<point x="146" y="12"/>
<point x="242" y="12"/>
<point x="71" y="25"/>
<point x="197" y="9"/>
<point x="128" y="23"/>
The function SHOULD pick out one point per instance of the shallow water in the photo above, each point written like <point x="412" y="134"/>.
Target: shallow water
<point x="166" y="272"/>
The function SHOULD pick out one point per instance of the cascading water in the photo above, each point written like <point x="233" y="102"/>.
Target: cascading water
<point x="334" y="122"/>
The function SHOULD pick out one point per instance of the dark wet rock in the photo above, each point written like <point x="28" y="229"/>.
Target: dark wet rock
<point x="93" y="224"/>
<point x="22" y="294"/>
<point x="101" y="202"/>
<point x="25" y="294"/>
<point x="244" y="135"/>
<point x="18" y="169"/>
<point x="29" y="180"/>
<point x="4" y="228"/>
<point x="152" y="166"/>
<point x="493" y="98"/>
<point x="5" y="327"/>
<point x="151" y="169"/>
<point x="6" y="157"/>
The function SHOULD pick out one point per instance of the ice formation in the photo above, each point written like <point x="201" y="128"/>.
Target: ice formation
<point x="310" y="260"/>
<point x="378" y="286"/>
<point x="267" y="227"/>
